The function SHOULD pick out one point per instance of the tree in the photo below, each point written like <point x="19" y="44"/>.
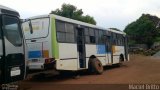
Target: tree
<point x="143" y="30"/>
<point x="70" y="11"/>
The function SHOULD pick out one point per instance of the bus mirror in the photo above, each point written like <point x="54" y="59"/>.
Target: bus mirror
<point x="30" y="26"/>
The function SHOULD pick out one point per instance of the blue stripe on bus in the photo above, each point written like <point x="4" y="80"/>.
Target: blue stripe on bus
<point x="34" y="54"/>
<point x="101" y="49"/>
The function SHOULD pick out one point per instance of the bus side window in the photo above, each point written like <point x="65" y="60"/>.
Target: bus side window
<point x="69" y="32"/>
<point x="65" y="32"/>
<point x="92" y="35"/>
<point x="101" y="37"/>
<point x="114" y="38"/>
<point x="60" y="27"/>
<point x="86" y="31"/>
<point x="96" y="35"/>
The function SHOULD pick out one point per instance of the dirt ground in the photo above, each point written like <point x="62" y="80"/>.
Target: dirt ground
<point x="139" y="70"/>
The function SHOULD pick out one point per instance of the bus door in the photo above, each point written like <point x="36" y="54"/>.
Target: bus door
<point x="81" y="47"/>
<point x="12" y="58"/>
<point x="108" y="49"/>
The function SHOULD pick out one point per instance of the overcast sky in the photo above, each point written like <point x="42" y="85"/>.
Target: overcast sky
<point x="107" y="13"/>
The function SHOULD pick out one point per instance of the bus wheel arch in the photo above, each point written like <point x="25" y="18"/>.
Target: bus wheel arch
<point x="94" y="65"/>
<point x="121" y="57"/>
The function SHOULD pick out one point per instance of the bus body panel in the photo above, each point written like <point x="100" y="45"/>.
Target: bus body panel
<point x="38" y="43"/>
<point x="117" y="51"/>
<point x="71" y="64"/>
<point x="53" y="38"/>
<point x="36" y="54"/>
<point x="109" y="58"/>
<point x="67" y="51"/>
<point x="68" y="57"/>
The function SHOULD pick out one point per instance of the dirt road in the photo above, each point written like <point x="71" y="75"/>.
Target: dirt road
<point x="139" y="70"/>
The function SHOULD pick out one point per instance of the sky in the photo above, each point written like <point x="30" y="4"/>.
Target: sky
<point x="107" y="13"/>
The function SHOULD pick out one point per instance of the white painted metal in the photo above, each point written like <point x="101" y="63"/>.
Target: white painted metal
<point x="118" y="50"/>
<point x="67" y="50"/>
<point x="67" y="64"/>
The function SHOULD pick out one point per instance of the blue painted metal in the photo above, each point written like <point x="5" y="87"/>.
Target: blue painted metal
<point x="34" y="54"/>
<point x="101" y="49"/>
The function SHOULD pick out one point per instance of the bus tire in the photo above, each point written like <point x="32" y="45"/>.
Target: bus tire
<point x="121" y="58"/>
<point x="95" y="66"/>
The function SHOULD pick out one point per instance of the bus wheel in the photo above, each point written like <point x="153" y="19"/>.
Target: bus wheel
<point x="121" y="58"/>
<point x="95" y="66"/>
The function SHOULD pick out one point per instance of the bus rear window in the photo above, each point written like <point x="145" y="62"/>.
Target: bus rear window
<point x="40" y="28"/>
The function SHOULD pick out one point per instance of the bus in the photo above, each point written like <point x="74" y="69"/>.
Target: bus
<point x="60" y="43"/>
<point x="12" y="47"/>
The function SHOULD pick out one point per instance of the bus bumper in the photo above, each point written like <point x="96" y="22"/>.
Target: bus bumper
<point x="41" y="66"/>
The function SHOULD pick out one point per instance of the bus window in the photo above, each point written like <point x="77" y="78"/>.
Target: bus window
<point x="11" y="29"/>
<point x="96" y="35"/>
<point x="92" y="35"/>
<point x="101" y="37"/>
<point x="40" y="28"/>
<point x="69" y="32"/>
<point x="65" y="32"/>
<point x="60" y="27"/>
<point x="86" y="31"/>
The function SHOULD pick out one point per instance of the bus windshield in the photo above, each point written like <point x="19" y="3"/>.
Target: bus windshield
<point x="40" y="28"/>
<point x="11" y="27"/>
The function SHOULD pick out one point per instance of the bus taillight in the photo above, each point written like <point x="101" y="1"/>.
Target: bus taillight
<point x="49" y="60"/>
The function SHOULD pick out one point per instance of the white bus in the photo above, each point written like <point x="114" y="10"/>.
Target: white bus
<point x="66" y="44"/>
<point x="12" y="47"/>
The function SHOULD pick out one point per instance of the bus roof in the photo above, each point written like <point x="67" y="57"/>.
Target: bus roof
<point x="76" y="22"/>
<point x="7" y="10"/>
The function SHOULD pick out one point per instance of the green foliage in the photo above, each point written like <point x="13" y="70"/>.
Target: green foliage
<point x="143" y="30"/>
<point x="70" y="11"/>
